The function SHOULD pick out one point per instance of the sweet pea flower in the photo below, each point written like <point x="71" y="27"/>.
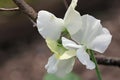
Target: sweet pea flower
<point x="51" y="27"/>
<point x="91" y="36"/>
<point x="85" y="31"/>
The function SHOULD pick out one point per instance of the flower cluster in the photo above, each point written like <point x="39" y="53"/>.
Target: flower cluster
<point x="71" y="37"/>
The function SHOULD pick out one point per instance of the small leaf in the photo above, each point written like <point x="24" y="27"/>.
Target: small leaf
<point x="70" y="76"/>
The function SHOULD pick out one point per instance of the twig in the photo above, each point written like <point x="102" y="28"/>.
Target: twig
<point x="108" y="61"/>
<point x="65" y="3"/>
<point x="9" y="9"/>
<point x="25" y="8"/>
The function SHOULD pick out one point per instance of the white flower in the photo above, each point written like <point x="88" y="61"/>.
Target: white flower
<point x="86" y="31"/>
<point x="55" y="65"/>
<point x="91" y="36"/>
<point x="49" y="26"/>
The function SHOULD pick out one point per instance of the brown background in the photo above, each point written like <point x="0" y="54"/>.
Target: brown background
<point x="23" y="52"/>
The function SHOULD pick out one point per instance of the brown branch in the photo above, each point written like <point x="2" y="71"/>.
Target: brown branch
<point x="25" y="8"/>
<point x="9" y="9"/>
<point x="108" y="61"/>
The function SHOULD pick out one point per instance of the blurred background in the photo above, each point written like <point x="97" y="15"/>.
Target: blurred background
<point x="23" y="52"/>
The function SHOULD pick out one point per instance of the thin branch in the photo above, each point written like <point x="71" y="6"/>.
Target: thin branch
<point x="108" y="61"/>
<point x="25" y="8"/>
<point x="9" y="9"/>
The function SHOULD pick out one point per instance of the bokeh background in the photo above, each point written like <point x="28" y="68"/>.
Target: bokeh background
<point x="23" y="52"/>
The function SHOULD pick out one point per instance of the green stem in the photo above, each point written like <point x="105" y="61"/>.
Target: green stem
<point x="96" y="68"/>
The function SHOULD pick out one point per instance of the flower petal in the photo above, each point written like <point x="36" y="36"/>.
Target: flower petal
<point x="84" y="58"/>
<point x="48" y="25"/>
<point x="68" y="44"/>
<point x="65" y="67"/>
<point x="101" y="42"/>
<point x="51" y="66"/>
<point x="68" y="54"/>
<point x="59" y="67"/>
<point x="105" y="31"/>
<point x="72" y="19"/>
<point x="91" y="27"/>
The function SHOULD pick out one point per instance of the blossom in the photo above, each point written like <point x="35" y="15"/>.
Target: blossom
<point x="86" y="33"/>
<point x="55" y="65"/>
<point x="91" y="36"/>
<point x="49" y="26"/>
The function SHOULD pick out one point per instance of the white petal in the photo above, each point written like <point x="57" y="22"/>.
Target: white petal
<point x="72" y="18"/>
<point x="51" y="66"/>
<point x="68" y="44"/>
<point x="105" y="31"/>
<point x="91" y="27"/>
<point x="84" y="58"/>
<point x="65" y="67"/>
<point x="59" y="67"/>
<point x="48" y="25"/>
<point x="100" y="43"/>
<point x="90" y="65"/>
